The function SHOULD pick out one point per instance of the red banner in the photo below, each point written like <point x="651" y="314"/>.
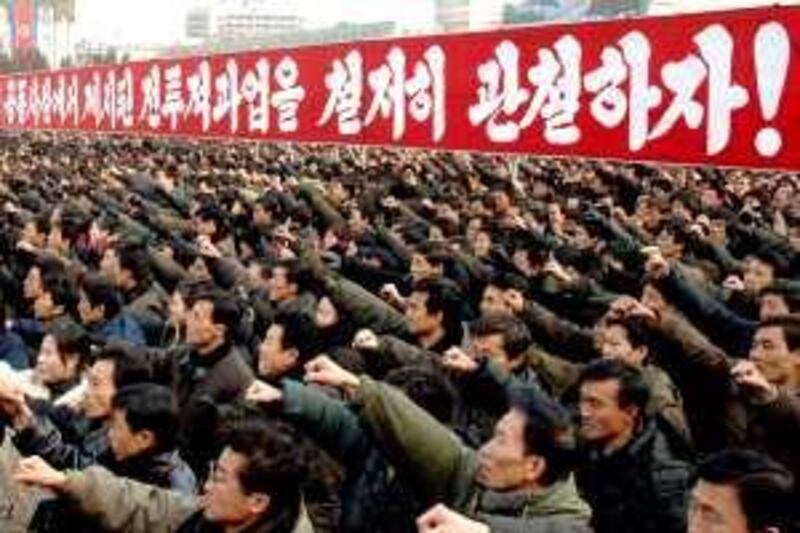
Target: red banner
<point x="24" y="24"/>
<point x="708" y="89"/>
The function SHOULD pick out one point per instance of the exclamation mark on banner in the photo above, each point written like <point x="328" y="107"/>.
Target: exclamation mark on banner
<point x="772" y="50"/>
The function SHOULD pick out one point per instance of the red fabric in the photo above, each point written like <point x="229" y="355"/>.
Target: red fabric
<point x="24" y="21"/>
<point x="726" y="67"/>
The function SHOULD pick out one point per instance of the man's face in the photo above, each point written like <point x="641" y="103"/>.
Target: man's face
<point x="602" y="418"/>
<point x="50" y="367"/>
<point x="758" y="275"/>
<point x="44" y="308"/>
<point x="421" y="268"/>
<point x="482" y="244"/>
<point x="261" y="217"/>
<point x="280" y="288"/>
<point x="420" y="321"/>
<point x="274" y="359"/>
<point x="31" y="234"/>
<point x="716" y="509"/>
<point x="100" y="390"/>
<point x="109" y="264"/>
<point x="648" y="214"/>
<point x="326" y="315"/>
<point x="126" y="443"/>
<point x="491" y="346"/>
<point x="201" y="330"/>
<point x="503" y="463"/>
<point x="554" y="215"/>
<point x="224" y="500"/>
<point x="501" y="202"/>
<point x="613" y="343"/>
<point x="494" y="301"/>
<point x="89" y="315"/>
<point x="32" y="286"/>
<point x="206" y="228"/>
<point x="771" y="354"/>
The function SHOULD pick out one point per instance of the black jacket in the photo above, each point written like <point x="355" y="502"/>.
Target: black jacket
<point x="165" y="469"/>
<point x="640" y="488"/>
<point x="204" y="383"/>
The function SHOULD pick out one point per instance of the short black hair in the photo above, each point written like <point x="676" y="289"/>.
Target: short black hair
<point x="100" y="291"/>
<point x="270" y="448"/>
<point x="60" y="289"/>
<point x="434" y="253"/>
<point x="633" y="389"/>
<point x="131" y="363"/>
<point x="49" y="265"/>
<point x="226" y="308"/>
<point x="297" y="273"/>
<point x="151" y="407"/>
<point x="772" y="258"/>
<point x="516" y="335"/>
<point x="636" y="329"/>
<point x="427" y="388"/>
<point x="134" y="258"/>
<point x="211" y="212"/>
<point x="549" y="431"/>
<point x="790" y="326"/>
<point x="764" y="486"/>
<point x="71" y="339"/>
<point x="506" y="281"/>
<point x="443" y="296"/>
<point x="299" y="332"/>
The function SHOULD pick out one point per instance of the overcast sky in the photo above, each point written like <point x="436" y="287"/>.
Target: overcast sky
<point x="162" y="21"/>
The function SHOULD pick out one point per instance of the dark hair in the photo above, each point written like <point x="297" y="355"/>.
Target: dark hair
<point x="296" y="273"/>
<point x="434" y="253"/>
<point x="771" y="258"/>
<point x="58" y="285"/>
<point x="41" y="222"/>
<point x="516" y="335"/>
<point x="549" y="432"/>
<point x="49" y="265"/>
<point x="270" y="448"/>
<point x="99" y="291"/>
<point x="299" y="332"/>
<point x="765" y="487"/>
<point x="443" y="296"/>
<point x="151" y="407"/>
<point x="506" y="281"/>
<point x="633" y="389"/>
<point x="70" y="339"/>
<point x="134" y="258"/>
<point x="131" y="363"/>
<point x="427" y="388"/>
<point x="636" y="330"/>
<point x="225" y="307"/>
<point x="210" y="212"/>
<point x="73" y="223"/>
<point x="790" y="326"/>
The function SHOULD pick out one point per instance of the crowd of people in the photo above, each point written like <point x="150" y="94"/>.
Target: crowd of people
<point x="209" y="336"/>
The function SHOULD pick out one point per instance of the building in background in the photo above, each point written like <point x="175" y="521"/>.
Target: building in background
<point x="533" y="11"/>
<point x="466" y="15"/>
<point x="232" y="21"/>
<point x="198" y="23"/>
<point x="253" y="19"/>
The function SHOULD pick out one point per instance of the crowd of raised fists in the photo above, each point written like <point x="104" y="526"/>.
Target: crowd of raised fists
<point x="203" y="336"/>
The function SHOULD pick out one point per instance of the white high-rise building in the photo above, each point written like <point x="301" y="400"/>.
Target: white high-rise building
<point x="465" y="15"/>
